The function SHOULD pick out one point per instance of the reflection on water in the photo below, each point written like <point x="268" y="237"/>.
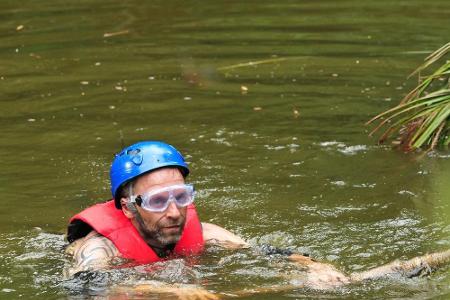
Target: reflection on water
<point x="277" y="149"/>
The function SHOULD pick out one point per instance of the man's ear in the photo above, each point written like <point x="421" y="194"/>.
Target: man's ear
<point x="123" y="203"/>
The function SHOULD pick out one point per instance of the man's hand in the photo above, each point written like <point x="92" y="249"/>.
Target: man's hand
<point x="319" y="275"/>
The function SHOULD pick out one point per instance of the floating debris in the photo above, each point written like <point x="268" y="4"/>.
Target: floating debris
<point x="244" y="89"/>
<point x="405" y="192"/>
<point x="296" y="175"/>
<point x="110" y="34"/>
<point x="120" y="88"/>
<point x="259" y="62"/>
<point x="257" y="108"/>
<point x="296" y="112"/>
<point x="35" y="55"/>
<point x="20" y="27"/>
<point x="84" y="82"/>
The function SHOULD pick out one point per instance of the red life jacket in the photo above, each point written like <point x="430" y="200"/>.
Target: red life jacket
<point x="110" y="222"/>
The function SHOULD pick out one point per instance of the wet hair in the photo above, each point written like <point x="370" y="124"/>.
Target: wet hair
<point x="127" y="189"/>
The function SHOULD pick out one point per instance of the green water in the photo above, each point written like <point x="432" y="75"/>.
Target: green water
<point x="310" y="181"/>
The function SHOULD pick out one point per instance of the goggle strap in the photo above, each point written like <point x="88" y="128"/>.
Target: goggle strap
<point x="138" y="200"/>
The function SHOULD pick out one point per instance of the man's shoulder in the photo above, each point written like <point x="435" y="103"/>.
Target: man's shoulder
<point x="96" y="242"/>
<point x="91" y="252"/>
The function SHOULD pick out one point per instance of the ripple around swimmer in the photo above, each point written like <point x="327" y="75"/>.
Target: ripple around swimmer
<point x="220" y="267"/>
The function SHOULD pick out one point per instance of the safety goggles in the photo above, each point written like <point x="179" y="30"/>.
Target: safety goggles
<point x="159" y="200"/>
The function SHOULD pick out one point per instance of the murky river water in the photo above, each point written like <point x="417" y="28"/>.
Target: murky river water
<point x="278" y="150"/>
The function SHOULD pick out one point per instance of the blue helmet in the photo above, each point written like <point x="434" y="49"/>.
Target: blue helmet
<point x="141" y="158"/>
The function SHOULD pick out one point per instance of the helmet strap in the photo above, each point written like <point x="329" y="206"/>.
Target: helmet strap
<point x="138" y="199"/>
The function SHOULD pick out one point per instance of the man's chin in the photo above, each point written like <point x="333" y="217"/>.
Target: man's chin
<point x="170" y="235"/>
<point x="169" y="239"/>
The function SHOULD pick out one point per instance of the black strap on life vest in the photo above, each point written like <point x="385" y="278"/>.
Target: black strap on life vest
<point x="77" y="229"/>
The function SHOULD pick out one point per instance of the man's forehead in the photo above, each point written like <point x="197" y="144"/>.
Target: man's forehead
<point x="160" y="177"/>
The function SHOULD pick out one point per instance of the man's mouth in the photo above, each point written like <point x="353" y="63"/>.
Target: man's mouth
<point x="172" y="228"/>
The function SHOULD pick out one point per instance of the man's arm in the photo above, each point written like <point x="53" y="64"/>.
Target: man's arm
<point x="320" y="275"/>
<point x="216" y="235"/>
<point x="90" y="253"/>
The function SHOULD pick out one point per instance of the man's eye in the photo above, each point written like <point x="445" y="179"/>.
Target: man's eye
<point x="181" y="196"/>
<point x="158" y="201"/>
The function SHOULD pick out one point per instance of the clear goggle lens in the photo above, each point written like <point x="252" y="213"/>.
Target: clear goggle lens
<point x="159" y="200"/>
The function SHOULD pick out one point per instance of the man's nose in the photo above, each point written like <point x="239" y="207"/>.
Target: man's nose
<point x="172" y="211"/>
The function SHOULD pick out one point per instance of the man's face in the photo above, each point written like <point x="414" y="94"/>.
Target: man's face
<point x="159" y="228"/>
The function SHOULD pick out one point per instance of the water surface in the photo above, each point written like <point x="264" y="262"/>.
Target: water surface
<point x="278" y="150"/>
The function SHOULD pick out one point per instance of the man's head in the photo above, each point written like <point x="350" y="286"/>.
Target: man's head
<point x="147" y="172"/>
<point x="157" y="228"/>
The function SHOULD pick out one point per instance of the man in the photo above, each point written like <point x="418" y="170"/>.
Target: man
<point x="152" y="217"/>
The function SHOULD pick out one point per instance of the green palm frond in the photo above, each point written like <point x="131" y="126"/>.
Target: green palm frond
<point x="423" y="116"/>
